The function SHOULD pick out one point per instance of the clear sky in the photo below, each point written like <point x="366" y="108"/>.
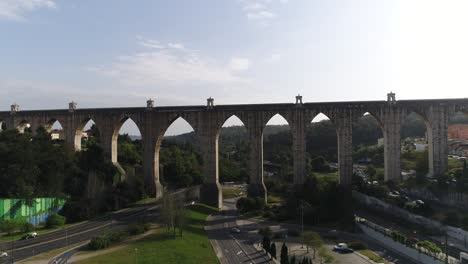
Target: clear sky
<point x="120" y="52"/>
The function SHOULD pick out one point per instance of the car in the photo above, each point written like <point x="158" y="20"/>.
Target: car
<point x="342" y="248"/>
<point x="339" y="246"/>
<point x="346" y="250"/>
<point x="4" y="255"/>
<point x="29" y="236"/>
<point x="235" y="230"/>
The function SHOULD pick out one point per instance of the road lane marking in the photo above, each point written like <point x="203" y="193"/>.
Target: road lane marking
<point x="80" y="233"/>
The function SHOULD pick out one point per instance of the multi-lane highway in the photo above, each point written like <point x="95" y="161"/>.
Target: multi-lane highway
<point x="232" y="247"/>
<point x="19" y="250"/>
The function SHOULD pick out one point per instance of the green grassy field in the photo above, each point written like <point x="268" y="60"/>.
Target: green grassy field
<point x="160" y="247"/>
<point x="229" y="192"/>
<point x="372" y="256"/>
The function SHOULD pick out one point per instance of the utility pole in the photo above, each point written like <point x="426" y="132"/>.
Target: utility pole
<point x="301" y="206"/>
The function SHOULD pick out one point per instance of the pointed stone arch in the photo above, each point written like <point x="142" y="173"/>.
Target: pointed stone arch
<point x="23" y="125"/>
<point x="115" y="136"/>
<point x="55" y="128"/>
<point x="86" y="123"/>
<point x="229" y="157"/>
<point x="421" y="144"/>
<point x="275" y="167"/>
<point x="174" y="120"/>
<point x="3" y="125"/>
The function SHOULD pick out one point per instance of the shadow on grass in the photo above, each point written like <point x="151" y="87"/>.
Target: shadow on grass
<point x="203" y="209"/>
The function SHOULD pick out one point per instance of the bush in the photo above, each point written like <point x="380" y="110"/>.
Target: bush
<point x="55" y="220"/>
<point x="265" y="231"/>
<point x="247" y="204"/>
<point x="8" y="226"/>
<point x="269" y="214"/>
<point x="117" y="236"/>
<point x="356" y="245"/>
<point x="136" y="229"/>
<point x="25" y="227"/>
<point x="431" y="247"/>
<point x="99" y="242"/>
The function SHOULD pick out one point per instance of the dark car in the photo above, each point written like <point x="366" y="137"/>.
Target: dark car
<point x="346" y="250"/>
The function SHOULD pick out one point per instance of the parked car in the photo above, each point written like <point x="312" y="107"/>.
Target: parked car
<point x="4" y="255"/>
<point x="235" y="230"/>
<point x="29" y="236"/>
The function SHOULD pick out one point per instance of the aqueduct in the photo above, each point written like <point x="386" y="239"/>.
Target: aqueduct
<point x="207" y="121"/>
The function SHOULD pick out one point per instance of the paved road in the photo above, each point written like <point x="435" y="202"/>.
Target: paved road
<point x="232" y="248"/>
<point x="19" y="250"/>
<point x="252" y="226"/>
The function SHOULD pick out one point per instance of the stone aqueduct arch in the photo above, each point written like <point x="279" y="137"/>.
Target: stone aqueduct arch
<point x="208" y="120"/>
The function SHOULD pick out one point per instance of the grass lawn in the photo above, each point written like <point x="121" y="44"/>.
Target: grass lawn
<point x="194" y="247"/>
<point x="274" y="199"/>
<point x="454" y="163"/>
<point x="326" y="177"/>
<point x="372" y="256"/>
<point x="229" y="192"/>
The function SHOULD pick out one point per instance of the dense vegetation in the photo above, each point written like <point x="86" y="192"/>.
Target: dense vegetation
<point x="34" y="166"/>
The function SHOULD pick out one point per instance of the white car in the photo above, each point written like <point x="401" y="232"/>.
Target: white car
<point x="235" y="230"/>
<point x="29" y="236"/>
<point x="4" y="255"/>
<point x="340" y="246"/>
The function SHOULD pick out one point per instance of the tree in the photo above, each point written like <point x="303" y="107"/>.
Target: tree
<point x="55" y="220"/>
<point x="312" y="240"/>
<point x="273" y="250"/>
<point x="180" y="217"/>
<point x="284" y="258"/>
<point x="325" y="257"/>
<point x="265" y="231"/>
<point x="8" y="226"/>
<point x="266" y="243"/>
<point x="292" y="260"/>
<point x="167" y="211"/>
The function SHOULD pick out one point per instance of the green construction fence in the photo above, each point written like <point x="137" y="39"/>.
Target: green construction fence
<point x="35" y="212"/>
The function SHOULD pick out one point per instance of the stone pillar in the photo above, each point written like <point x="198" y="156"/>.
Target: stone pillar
<point x="438" y="140"/>
<point x="152" y="136"/>
<point x="211" y="191"/>
<point x="151" y="147"/>
<point x="70" y="129"/>
<point x="256" y="186"/>
<point x="344" y="131"/>
<point x="299" y="147"/>
<point x="391" y="119"/>
<point x="108" y="142"/>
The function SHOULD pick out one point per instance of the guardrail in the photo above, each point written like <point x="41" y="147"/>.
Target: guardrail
<point x="405" y="246"/>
